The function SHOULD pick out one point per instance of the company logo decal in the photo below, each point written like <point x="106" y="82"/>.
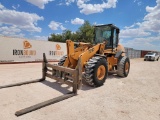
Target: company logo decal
<point x="25" y="53"/>
<point x="57" y="52"/>
<point x="26" y="44"/>
<point x="58" y="47"/>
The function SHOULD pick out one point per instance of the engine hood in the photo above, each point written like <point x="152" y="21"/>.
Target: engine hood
<point x="150" y="55"/>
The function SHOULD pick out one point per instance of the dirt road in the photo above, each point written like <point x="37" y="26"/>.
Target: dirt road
<point x="136" y="97"/>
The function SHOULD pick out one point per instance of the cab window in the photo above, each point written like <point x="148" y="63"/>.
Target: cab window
<point x="107" y="37"/>
<point x="115" y="35"/>
<point x="102" y="34"/>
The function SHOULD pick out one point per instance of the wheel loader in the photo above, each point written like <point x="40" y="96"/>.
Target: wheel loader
<point x="84" y="61"/>
<point x="97" y="59"/>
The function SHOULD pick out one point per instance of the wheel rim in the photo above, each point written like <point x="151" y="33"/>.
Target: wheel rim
<point x="101" y="72"/>
<point x="126" y="67"/>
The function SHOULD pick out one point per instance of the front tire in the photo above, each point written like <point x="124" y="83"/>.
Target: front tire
<point x="62" y="60"/>
<point x="157" y="58"/>
<point x="96" y="71"/>
<point x="123" y="66"/>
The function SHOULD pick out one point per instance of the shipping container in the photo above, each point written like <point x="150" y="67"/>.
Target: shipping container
<point x="132" y="53"/>
<point x="144" y="52"/>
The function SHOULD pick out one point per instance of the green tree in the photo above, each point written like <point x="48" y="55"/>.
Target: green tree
<point x="74" y="37"/>
<point x="56" y="38"/>
<point x="84" y="34"/>
<point x="67" y="34"/>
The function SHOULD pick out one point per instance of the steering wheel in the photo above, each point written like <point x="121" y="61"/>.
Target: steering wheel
<point x="105" y="40"/>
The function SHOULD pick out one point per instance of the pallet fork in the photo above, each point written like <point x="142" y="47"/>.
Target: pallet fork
<point x="72" y="77"/>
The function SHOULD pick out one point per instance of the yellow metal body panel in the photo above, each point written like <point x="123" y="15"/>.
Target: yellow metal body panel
<point x="70" y="62"/>
<point x="112" y="61"/>
<point x="88" y="54"/>
<point x="86" y="51"/>
<point x="121" y="48"/>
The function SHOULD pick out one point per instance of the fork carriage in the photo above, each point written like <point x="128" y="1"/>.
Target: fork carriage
<point x="71" y="77"/>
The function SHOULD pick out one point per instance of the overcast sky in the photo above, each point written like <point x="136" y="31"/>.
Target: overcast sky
<point x="139" y="20"/>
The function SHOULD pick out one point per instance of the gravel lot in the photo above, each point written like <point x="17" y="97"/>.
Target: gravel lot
<point x="136" y="97"/>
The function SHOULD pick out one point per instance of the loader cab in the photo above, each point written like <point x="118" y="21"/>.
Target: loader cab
<point x="108" y="34"/>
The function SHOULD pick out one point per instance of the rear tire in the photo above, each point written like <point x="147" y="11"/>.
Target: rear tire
<point x="96" y="71"/>
<point x="62" y="60"/>
<point x="123" y="66"/>
<point x="157" y="58"/>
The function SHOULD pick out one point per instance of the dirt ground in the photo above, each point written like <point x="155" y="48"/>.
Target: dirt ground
<point x="136" y="97"/>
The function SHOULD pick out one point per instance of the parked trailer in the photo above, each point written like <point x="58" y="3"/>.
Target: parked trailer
<point x="20" y="50"/>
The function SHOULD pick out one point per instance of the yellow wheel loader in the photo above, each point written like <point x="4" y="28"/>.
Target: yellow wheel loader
<point x="105" y="55"/>
<point x="90" y="62"/>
